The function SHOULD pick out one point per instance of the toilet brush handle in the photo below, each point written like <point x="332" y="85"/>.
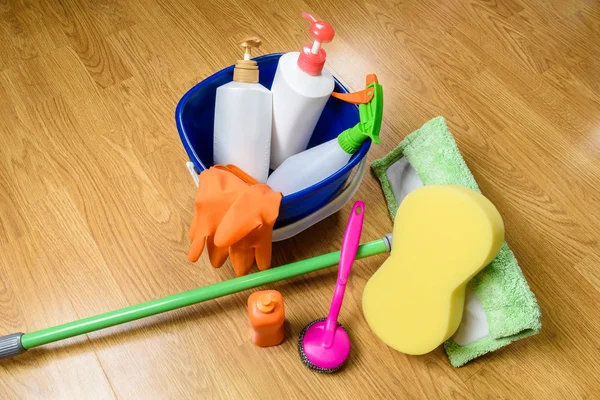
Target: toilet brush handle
<point x="347" y="257"/>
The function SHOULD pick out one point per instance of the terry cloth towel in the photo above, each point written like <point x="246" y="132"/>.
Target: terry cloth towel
<point x="499" y="306"/>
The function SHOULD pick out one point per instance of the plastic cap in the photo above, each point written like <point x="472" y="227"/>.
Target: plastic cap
<point x="266" y="303"/>
<point x="312" y="57"/>
<point x="321" y="31"/>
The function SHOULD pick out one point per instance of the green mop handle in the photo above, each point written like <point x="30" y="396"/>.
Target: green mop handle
<point x="17" y="343"/>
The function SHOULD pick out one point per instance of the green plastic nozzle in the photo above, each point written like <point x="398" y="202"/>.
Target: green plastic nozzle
<point x="370" y="122"/>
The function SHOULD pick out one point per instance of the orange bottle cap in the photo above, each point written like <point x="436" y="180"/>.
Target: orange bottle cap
<point x="266" y="303"/>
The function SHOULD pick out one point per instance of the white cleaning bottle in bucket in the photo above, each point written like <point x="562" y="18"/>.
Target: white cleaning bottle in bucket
<point x="243" y="118"/>
<point x="311" y="166"/>
<point x="301" y="88"/>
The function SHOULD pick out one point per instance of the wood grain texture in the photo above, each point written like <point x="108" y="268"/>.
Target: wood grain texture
<point x="95" y="201"/>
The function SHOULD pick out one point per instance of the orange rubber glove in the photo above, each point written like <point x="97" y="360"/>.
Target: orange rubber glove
<point x="234" y="216"/>
<point x="217" y="191"/>
<point x="247" y="228"/>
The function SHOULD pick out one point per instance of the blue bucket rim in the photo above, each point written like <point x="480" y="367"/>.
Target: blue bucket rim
<point x="356" y="158"/>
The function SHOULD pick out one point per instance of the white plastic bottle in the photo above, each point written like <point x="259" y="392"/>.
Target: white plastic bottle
<point x="308" y="167"/>
<point x="301" y="88"/>
<point x="243" y="119"/>
<point x="313" y="165"/>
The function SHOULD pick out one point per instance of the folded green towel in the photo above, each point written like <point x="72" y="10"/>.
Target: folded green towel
<point x="511" y="309"/>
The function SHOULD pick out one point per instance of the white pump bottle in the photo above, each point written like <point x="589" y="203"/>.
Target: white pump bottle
<point x="243" y="119"/>
<point x="301" y="88"/>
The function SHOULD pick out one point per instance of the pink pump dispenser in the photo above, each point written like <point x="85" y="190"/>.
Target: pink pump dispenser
<point x="312" y="57"/>
<point x="301" y="87"/>
<point x="324" y="345"/>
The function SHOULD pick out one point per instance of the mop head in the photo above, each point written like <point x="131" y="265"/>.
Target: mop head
<point x="499" y="306"/>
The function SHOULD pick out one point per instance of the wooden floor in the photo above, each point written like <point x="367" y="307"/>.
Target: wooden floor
<point x="95" y="200"/>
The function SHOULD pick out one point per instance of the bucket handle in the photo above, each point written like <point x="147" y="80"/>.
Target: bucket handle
<point x="335" y="205"/>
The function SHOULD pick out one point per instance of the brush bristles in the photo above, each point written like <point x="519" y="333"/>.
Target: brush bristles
<point x="305" y="359"/>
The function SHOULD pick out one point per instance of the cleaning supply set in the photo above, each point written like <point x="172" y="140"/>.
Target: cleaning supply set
<point x="447" y="244"/>
<point x="235" y="214"/>
<point x="242" y="138"/>
<point x="295" y="82"/>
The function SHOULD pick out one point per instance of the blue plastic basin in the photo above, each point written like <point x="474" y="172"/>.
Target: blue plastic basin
<point x="195" y="116"/>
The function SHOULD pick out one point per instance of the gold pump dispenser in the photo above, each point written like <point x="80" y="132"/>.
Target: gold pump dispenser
<point x="246" y="70"/>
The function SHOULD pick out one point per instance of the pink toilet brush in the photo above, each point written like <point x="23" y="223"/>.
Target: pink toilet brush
<point x="324" y="345"/>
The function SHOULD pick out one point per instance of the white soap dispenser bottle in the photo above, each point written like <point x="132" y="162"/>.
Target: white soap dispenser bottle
<point x="243" y="118"/>
<point x="301" y="88"/>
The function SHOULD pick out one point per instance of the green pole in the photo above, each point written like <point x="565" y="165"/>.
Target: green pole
<point x="169" y="303"/>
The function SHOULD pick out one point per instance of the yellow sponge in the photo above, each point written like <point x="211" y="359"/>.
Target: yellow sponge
<point x="443" y="235"/>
